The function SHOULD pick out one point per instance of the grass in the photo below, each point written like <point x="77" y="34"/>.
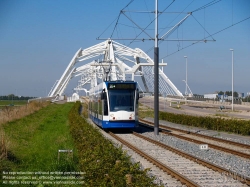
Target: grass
<point x="145" y="111"/>
<point x="222" y="115"/>
<point x="218" y="122"/>
<point x="14" y="102"/>
<point x="10" y="113"/>
<point x="176" y="107"/>
<point x="33" y="142"/>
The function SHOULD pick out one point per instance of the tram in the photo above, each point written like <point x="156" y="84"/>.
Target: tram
<point x="114" y="104"/>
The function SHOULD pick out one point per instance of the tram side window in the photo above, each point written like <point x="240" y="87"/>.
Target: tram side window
<point x="93" y="106"/>
<point x="99" y="105"/>
<point x="105" y="103"/>
<point x="105" y="112"/>
<point x="95" y="102"/>
<point x="90" y="104"/>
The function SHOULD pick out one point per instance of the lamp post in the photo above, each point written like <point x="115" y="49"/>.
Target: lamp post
<point x="232" y="79"/>
<point x="186" y="92"/>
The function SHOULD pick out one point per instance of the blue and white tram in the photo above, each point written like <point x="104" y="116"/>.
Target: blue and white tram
<point x="114" y="104"/>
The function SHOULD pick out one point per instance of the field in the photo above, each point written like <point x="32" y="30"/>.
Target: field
<point x="15" y="102"/>
<point x="11" y="103"/>
<point x="33" y="143"/>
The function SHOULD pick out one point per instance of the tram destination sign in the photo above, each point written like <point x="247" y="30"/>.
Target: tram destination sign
<point x="118" y="86"/>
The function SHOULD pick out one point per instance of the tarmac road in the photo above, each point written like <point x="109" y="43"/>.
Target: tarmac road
<point x="198" y="109"/>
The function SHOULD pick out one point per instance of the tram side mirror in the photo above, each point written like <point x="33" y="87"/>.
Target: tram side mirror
<point x="137" y="94"/>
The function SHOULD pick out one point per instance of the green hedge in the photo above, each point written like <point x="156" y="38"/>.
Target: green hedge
<point x="219" y="124"/>
<point x="98" y="156"/>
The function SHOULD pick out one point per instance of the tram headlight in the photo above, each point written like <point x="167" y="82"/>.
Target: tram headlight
<point x="131" y="116"/>
<point x="112" y="116"/>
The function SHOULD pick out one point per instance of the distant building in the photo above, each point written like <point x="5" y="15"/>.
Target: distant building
<point x="211" y="96"/>
<point x="223" y="97"/>
<point x="240" y="95"/>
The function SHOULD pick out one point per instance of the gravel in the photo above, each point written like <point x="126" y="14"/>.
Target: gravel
<point x="198" y="173"/>
<point x="161" y="178"/>
<point x="233" y="163"/>
<point x="228" y="161"/>
<point x="222" y="135"/>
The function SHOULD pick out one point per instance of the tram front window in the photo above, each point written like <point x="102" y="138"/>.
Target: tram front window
<point x="121" y="100"/>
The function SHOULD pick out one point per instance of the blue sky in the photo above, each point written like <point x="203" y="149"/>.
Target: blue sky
<point x="38" y="38"/>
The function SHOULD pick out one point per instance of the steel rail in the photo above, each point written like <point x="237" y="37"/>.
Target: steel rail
<point x="204" y="136"/>
<point x="241" y="154"/>
<point x="210" y="165"/>
<point x="162" y="166"/>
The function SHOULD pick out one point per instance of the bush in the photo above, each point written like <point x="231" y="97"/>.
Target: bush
<point x="103" y="163"/>
<point x="219" y="124"/>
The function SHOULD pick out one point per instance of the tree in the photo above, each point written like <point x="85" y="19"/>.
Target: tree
<point x="221" y="93"/>
<point x="229" y="93"/>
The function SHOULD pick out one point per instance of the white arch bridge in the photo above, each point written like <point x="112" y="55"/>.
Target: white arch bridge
<point x="113" y="61"/>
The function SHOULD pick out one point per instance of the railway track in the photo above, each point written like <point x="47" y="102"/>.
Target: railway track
<point x="193" y="177"/>
<point x="189" y="170"/>
<point x="159" y="164"/>
<point x="192" y="137"/>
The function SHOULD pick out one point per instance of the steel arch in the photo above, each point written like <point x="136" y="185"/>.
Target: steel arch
<point x="113" y="61"/>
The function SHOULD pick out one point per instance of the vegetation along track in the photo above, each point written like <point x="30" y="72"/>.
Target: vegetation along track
<point x="190" y="170"/>
<point x="192" y="137"/>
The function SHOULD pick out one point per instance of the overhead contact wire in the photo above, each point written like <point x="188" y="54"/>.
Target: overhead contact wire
<point x="119" y="17"/>
<point x="208" y="36"/>
<point x="169" y="24"/>
<point x="115" y="25"/>
<point x="202" y="27"/>
<point x="151" y="22"/>
<point x="107" y="27"/>
<point x="202" y="7"/>
<point x="206" y="5"/>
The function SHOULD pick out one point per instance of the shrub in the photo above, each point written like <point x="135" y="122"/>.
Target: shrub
<point x="98" y="156"/>
<point x="219" y="124"/>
